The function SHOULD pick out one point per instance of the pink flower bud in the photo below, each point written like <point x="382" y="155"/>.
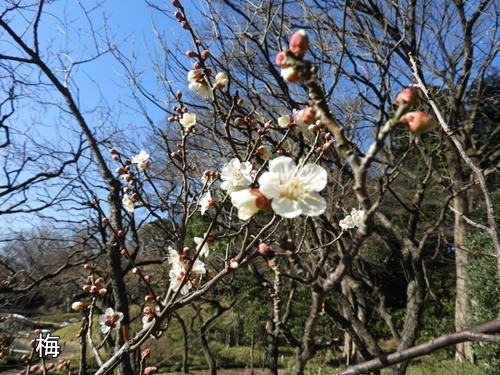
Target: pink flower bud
<point x="135" y="270"/>
<point x="176" y="3"/>
<point x="123" y="252"/>
<point x="281" y="60"/>
<point x="88" y="267"/>
<point x="116" y="157"/>
<point x="299" y="44"/>
<point x="145" y="354"/>
<point x="121" y="233"/>
<point x="419" y="122"/>
<point x="94" y="290"/>
<point x="112" y="151"/>
<point x="98" y="281"/>
<point x="150" y="370"/>
<point x="104" y="221"/>
<point x="308" y="115"/>
<point x="33" y="342"/>
<point x="407" y="96"/>
<point x="25" y="358"/>
<point x="264" y="249"/>
<point x="233" y="264"/>
<point x="50" y="366"/>
<point x="148" y="298"/>
<point x="205" y="54"/>
<point x="86" y="288"/>
<point x="191" y="54"/>
<point x="102" y="292"/>
<point x="186" y="252"/>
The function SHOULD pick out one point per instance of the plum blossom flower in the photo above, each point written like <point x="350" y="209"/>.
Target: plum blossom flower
<point x="264" y="152"/>
<point x="188" y="120"/>
<point x="294" y="190"/>
<point x="249" y="202"/>
<point x="353" y="220"/>
<point x="128" y="203"/>
<point x="202" y="89"/>
<point x="284" y="121"/>
<point x="206" y="202"/>
<point x="236" y="175"/>
<point x="221" y="80"/>
<point x="205" y="250"/>
<point x="179" y="268"/>
<point x="142" y="160"/>
<point x="110" y="320"/>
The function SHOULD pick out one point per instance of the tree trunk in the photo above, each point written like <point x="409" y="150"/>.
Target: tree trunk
<point x="271" y="355"/>
<point x="462" y="301"/>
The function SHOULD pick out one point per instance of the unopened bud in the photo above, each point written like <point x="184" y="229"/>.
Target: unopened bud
<point x="419" y="122"/>
<point x="176" y="3"/>
<point x="104" y="221"/>
<point x="116" y="157"/>
<point x="113" y="151"/>
<point x="299" y="44"/>
<point x="102" y="292"/>
<point x="185" y="25"/>
<point x="408" y="96"/>
<point x="88" y="267"/>
<point x="233" y="264"/>
<point x="98" y="281"/>
<point x="145" y="354"/>
<point x="148" y="298"/>
<point x="78" y="306"/>
<point x="205" y="54"/>
<point x="191" y="54"/>
<point x="179" y="16"/>
<point x="281" y="60"/>
<point x="121" y="233"/>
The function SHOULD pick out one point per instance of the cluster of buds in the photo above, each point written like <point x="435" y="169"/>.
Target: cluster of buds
<point x="149" y="315"/>
<point x="328" y="143"/>
<point x="289" y="59"/>
<point x="209" y="176"/>
<point x="93" y="287"/>
<point x="64" y="364"/>
<point x="181" y="19"/>
<point x="417" y="122"/>
<point x="245" y="121"/>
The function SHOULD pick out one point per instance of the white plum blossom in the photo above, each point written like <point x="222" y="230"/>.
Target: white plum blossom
<point x="195" y="76"/>
<point x="248" y="202"/>
<point x="110" y="320"/>
<point x="202" y="89"/>
<point x="128" y="203"/>
<point x="206" y="202"/>
<point x="297" y="118"/>
<point x="188" y="120"/>
<point x="353" y="220"/>
<point x="141" y="160"/>
<point x="284" y="121"/>
<point x="264" y="152"/>
<point x="221" y="79"/>
<point x="205" y="250"/>
<point x="294" y="190"/>
<point x="236" y="175"/>
<point x="178" y="271"/>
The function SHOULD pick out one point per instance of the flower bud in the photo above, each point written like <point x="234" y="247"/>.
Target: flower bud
<point x="112" y="151"/>
<point x="86" y="288"/>
<point x="264" y="250"/>
<point x="121" y="233"/>
<point x="179" y="16"/>
<point x="145" y="354"/>
<point x="148" y="298"/>
<point x="123" y="252"/>
<point x="299" y="44"/>
<point x="116" y="157"/>
<point x="185" y="25"/>
<point x="419" y="122"/>
<point x="205" y="54"/>
<point x="102" y="292"/>
<point x="281" y="60"/>
<point x="176" y="3"/>
<point x="135" y="270"/>
<point x="88" y="267"/>
<point x="104" y="221"/>
<point x="191" y="54"/>
<point x="25" y="358"/>
<point x="196" y="65"/>
<point x="307" y="115"/>
<point x="98" y="281"/>
<point x="291" y="75"/>
<point x="233" y="264"/>
<point x="408" y="96"/>
<point x="78" y="306"/>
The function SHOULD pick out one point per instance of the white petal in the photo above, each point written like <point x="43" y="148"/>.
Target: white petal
<point x="286" y="207"/>
<point x="313" y="205"/>
<point x="313" y="177"/>
<point x="269" y="183"/>
<point x="283" y="165"/>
